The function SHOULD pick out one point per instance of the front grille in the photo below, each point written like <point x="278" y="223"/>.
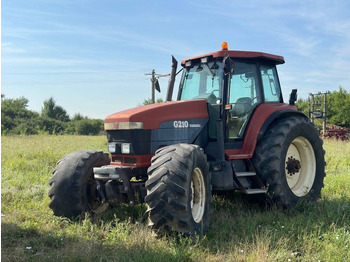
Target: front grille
<point x="130" y="160"/>
<point x="140" y="140"/>
<point x="122" y="159"/>
<point x="118" y="160"/>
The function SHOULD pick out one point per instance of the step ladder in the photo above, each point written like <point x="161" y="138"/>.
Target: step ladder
<point x="245" y="179"/>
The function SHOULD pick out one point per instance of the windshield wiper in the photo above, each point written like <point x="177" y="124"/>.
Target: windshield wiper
<point x="209" y="70"/>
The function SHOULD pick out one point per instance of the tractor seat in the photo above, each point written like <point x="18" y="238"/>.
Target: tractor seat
<point x="242" y="106"/>
<point x="239" y="117"/>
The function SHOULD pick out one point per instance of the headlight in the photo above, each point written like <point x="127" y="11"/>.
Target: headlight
<point x="123" y="125"/>
<point x="111" y="148"/>
<point x="125" y="148"/>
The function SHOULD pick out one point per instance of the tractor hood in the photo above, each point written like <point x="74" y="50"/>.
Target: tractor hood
<point x="151" y="116"/>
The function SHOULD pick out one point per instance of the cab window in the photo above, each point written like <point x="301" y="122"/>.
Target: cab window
<point x="243" y="82"/>
<point x="243" y="96"/>
<point x="270" y="83"/>
<point x="202" y="82"/>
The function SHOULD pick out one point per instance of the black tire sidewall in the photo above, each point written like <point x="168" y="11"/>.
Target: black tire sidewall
<point x="200" y="162"/>
<point x="306" y="130"/>
<point x="169" y="190"/>
<point x="68" y="190"/>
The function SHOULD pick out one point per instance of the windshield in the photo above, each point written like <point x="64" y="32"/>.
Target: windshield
<point x="202" y="81"/>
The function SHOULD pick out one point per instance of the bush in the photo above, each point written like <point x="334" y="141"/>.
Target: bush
<point x="24" y="129"/>
<point x="88" y="127"/>
<point x="52" y="126"/>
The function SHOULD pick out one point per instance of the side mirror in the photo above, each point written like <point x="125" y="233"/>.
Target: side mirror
<point x="293" y="97"/>
<point x="228" y="65"/>
<point x="156" y="85"/>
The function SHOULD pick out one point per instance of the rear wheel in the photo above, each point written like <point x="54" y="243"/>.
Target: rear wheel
<point x="179" y="190"/>
<point x="290" y="161"/>
<point x="300" y="178"/>
<point x="73" y="187"/>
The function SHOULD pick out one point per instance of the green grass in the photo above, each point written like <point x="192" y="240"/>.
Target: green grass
<point x="239" y="230"/>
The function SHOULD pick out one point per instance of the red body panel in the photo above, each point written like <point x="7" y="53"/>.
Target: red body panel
<point x="256" y="122"/>
<point x="239" y="54"/>
<point x="140" y="161"/>
<point x="153" y="115"/>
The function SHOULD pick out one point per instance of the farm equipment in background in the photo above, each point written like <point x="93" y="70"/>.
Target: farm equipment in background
<point x="227" y="130"/>
<point x="337" y="132"/>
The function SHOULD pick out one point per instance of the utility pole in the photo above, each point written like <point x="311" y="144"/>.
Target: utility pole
<point x="153" y="81"/>
<point x="155" y="84"/>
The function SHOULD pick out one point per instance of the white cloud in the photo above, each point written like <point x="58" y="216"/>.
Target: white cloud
<point x="8" y="47"/>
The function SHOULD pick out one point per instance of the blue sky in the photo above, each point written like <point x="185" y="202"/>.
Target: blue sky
<point x="92" y="56"/>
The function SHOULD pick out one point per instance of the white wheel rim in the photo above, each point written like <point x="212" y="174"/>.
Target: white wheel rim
<point x="198" y="195"/>
<point x="300" y="166"/>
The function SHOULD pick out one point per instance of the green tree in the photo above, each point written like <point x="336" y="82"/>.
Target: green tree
<point x="303" y="105"/>
<point x="149" y="101"/>
<point x="51" y="110"/>
<point x="77" y="116"/>
<point x="15" y="115"/>
<point x="338" y="107"/>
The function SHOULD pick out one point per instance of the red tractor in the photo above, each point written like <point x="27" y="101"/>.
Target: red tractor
<point x="227" y="130"/>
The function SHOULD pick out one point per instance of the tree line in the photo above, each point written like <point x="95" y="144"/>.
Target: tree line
<point x="338" y="107"/>
<point x="17" y="119"/>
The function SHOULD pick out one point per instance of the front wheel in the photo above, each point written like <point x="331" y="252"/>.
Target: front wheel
<point x="179" y="190"/>
<point x="73" y="187"/>
<point x="289" y="160"/>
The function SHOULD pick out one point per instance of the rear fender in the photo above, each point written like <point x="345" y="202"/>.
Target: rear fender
<point x="273" y="117"/>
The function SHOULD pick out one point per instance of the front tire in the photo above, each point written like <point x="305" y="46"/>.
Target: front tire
<point x="289" y="160"/>
<point x="179" y="190"/>
<point x="73" y="187"/>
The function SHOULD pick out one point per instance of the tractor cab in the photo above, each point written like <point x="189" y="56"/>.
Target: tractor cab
<point x="234" y="83"/>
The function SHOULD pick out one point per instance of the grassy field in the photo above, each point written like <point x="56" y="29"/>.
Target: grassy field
<point x="239" y="231"/>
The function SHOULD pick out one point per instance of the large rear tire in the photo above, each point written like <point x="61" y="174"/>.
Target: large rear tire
<point x="289" y="160"/>
<point x="73" y="187"/>
<point x="179" y="190"/>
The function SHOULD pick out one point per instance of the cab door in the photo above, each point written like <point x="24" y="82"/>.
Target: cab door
<point x="243" y="96"/>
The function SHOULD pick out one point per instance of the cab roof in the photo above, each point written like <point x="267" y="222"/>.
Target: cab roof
<point x="240" y="54"/>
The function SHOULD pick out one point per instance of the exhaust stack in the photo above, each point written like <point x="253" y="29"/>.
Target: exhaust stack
<point x="171" y="83"/>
